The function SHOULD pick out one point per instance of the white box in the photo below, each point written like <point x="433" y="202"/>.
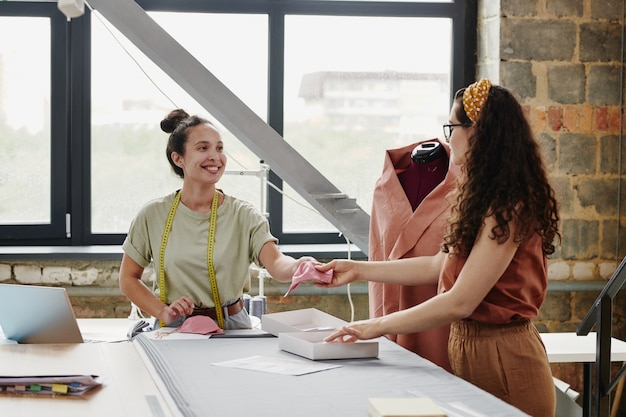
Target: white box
<point x="311" y="345"/>
<point x="304" y="320"/>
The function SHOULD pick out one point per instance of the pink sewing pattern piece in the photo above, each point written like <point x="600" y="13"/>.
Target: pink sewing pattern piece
<point x="306" y="272"/>
<point x="200" y="325"/>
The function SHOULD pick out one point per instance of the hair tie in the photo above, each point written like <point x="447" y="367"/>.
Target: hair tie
<point x="475" y="97"/>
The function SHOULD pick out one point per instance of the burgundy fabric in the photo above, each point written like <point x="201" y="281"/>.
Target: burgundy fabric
<point x="419" y="179"/>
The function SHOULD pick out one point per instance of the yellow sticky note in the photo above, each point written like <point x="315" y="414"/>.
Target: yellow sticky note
<point x="60" y="388"/>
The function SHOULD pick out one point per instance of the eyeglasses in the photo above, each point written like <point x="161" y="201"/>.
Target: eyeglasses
<point x="448" y="128"/>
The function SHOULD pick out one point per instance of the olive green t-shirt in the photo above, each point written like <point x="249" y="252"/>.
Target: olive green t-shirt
<point x="241" y="232"/>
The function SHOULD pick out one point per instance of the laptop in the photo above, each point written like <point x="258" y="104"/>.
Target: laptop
<point x="37" y="314"/>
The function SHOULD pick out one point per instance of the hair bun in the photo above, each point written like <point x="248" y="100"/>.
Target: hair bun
<point x="173" y="119"/>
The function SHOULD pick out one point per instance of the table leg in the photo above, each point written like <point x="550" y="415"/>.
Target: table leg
<point x="618" y="395"/>
<point x="587" y="391"/>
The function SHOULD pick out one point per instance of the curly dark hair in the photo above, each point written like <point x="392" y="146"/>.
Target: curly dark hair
<point x="177" y="123"/>
<point x="504" y="176"/>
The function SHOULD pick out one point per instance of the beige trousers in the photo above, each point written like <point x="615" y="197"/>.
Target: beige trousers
<point x="508" y="361"/>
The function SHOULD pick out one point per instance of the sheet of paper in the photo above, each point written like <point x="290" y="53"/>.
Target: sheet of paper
<point x="277" y="365"/>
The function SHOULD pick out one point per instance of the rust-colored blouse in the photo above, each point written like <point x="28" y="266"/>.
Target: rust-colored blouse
<point x="519" y="292"/>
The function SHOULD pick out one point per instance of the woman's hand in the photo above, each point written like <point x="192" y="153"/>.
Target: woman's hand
<point x="344" y="272"/>
<point x="280" y="266"/>
<point x="181" y="307"/>
<point x="359" y="330"/>
<point x="302" y="259"/>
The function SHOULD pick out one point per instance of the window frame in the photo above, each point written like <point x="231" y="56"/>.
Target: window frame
<point x="70" y="99"/>
<point x="55" y="231"/>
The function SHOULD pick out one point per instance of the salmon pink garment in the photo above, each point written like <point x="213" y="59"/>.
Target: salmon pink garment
<point x="306" y="272"/>
<point x="200" y="325"/>
<point x="397" y="231"/>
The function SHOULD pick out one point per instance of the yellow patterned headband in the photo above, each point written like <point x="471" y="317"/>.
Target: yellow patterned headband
<point x="475" y="97"/>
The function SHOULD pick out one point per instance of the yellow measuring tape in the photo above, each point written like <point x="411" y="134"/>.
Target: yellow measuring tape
<point x="216" y="295"/>
<point x="211" y="245"/>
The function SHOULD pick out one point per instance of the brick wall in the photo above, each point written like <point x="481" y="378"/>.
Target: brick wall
<point x="94" y="292"/>
<point x="562" y="59"/>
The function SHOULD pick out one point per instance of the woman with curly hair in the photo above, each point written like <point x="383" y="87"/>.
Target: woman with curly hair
<point x="492" y="267"/>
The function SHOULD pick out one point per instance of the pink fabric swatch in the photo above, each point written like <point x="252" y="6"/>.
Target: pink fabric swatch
<point x="306" y="272"/>
<point x="200" y="325"/>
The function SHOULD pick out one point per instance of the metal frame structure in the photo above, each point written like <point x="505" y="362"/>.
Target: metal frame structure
<point x="601" y="315"/>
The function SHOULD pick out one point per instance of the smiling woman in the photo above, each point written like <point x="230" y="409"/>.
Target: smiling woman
<point x="203" y="231"/>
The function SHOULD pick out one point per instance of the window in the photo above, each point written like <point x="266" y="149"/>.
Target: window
<point x="365" y="84"/>
<point x="25" y="121"/>
<point x="32" y="123"/>
<point x="340" y="81"/>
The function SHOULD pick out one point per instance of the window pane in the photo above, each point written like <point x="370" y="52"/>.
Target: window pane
<point x="129" y="166"/>
<point x="359" y="87"/>
<point x="25" y="177"/>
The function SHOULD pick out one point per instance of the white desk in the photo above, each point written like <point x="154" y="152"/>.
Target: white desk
<point x="131" y="388"/>
<point x="202" y="388"/>
<point x="571" y="348"/>
<point x="128" y="389"/>
<point x="134" y="386"/>
<point x="108" y="330"/>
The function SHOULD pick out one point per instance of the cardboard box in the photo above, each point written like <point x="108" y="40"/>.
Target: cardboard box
<point x="304" y="320"/>
<point x="311" y="345"/>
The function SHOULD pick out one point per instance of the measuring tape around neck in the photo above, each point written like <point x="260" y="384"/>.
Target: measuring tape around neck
<point x="210" y="247"/>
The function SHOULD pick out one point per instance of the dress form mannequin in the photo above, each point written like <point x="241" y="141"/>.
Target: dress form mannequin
<point x="408" y="217"/>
